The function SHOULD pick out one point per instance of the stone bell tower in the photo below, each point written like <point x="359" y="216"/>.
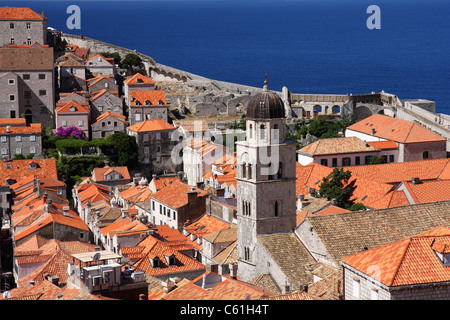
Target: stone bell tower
<point x="266" y="197"/>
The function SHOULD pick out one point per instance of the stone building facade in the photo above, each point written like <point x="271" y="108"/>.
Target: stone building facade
<point x="22" y="26"/>
<point x="25" y="140"/>
<point x="28" y="75"/>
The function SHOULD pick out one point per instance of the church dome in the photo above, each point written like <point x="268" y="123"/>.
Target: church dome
<point x="265" y="105"/>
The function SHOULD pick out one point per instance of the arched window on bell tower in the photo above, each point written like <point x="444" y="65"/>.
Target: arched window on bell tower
<point x="262" y="132"/>
<point x="280" y="171"/>
<point x="243" y="170"/>
<point x="249" y="171"/>
<point x="250" y="129"/>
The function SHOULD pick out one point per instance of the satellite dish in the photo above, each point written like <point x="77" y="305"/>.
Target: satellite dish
<point x="6" y="295"/>
<point x="96" y="257"/>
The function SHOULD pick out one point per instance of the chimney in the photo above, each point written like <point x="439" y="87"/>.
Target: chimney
<point x="312" y="192"/>
<point x="373" y="131"/>
<point x="301" y="198"/>
<point x="66" y="210"/>
<point x="136" y="179"/>
<point x="304" y="287"/>
<point x="106" y="163"/>
<point x="43" y="14"/>
<point x="415" y="180"/>
<point x="233" y="270"/>
<point x="154" y="177"/>
<point x="192" y="196"/>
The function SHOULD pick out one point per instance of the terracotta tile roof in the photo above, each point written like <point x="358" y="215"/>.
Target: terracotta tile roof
<point x="153" y="96"/>
<point x="151" y="125"/>
<point x="134" y="79"/>
<point x="290" y="255"/>
<point x="98" y="94"/>
<point x="16" y="169"/>
<point x="394" y="129"/>
<point x="207" y="227"/>
<point x="403" y="171"/>
<point x="99" y="78"/>
<point x="227" y="255"/>
<point x="124" y="225"/>
<point x="73" y="106"/>
<point x="32" y="128"/>
<point x="99" y="174"/>
<point x="45" y="290"/>
<point x="219" y="288"/>
<point x="337" y="146"/>
<point x="265" y="281"/>
<point x="192" y="125"/>
<point x="408" y="261"/>
<point x="156" y="248"/>
<point x="161" y="182"/>
<point x="92" y="192"/>
<point x="373" y="228"/>
<point x="383" y="145"/>
<point x="12" y="121"/>
<point x="428" y="191"/>
<point x="113" y="115"/>
<point x="99" y="55"/>
<point x="14" y="13"/>
<point x="297" y="295"/>
<point x="175" y="194"/>
<point x="136" y="193"/>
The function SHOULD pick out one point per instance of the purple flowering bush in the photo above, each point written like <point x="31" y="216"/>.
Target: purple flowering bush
<point x="70" y="132"/>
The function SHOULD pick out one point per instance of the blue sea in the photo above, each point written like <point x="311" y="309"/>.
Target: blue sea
<point x="309" y="46"/>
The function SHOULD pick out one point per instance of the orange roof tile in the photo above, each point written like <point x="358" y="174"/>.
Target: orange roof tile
<point x="16" y="169"/>
<point x="394" y="129"/>
<point x="113" y="115"/>
<point x="14" y="13"/>
<point x="155" y="97"/>
<point x="151" y="125"/>
<point x="31" y="128"/>
<point x="429" y="191"/>
<point x="161" y="182"/>
<point x="403" y="171"/>
<point x="175" y="194"/>
<point x="389" y="144"/>
<point x="410" y="261"/>
<point x="73" y="106"/>
<point x="100" y="173"/>
<point x="134" y="79"/>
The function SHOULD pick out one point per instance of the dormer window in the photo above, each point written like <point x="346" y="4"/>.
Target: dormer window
<point x="32" y="166"/>
<point x="154" y="262"/>
<point x="171" y="261"/>
<point x="442" y="250"/>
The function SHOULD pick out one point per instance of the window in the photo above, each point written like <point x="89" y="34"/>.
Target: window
<point x="158" y="135"/>
<point x="11" y="26"/>
<point x="26" y="77"/>
<point x="174" y="215"/>
<point x="115" y="123"/>
<point x="251" y="131"/>
<point x="356" y="285"/>
<point x="42" y="93"/>
<point x="28" y="25"/>
<point x="145" y="137"/>
<point x="276" y="209"/>
<point x="168" y="213"/>
<point x="249" y="171"/>
<point x="146" y="150"/>
<point x="262" y="132"/>
<point x="247" y="253"/>
<point x="280" y="171"/>
<point x="357" y="161"/>
<point x="42" y="76"/>
<point x="243" y="170"/>
<point x="391" y="158"/>
<point x="4" y="151"/>
<point x="3" y="138"/>
<point x="137" y="117"/>
<point x="96" y="280"/>
<point x="18" y="138"/>
<point x="12" y="97"/>
<point x="12" y="114"/>
<point x="324" y="162"/>
<point x="81" y="123"/>
<point x="153" y="205"/>
<point x="367" y="159"/>
<point x="32" y="138"/>
<point x="164" y="211"/>
<point x="28" y="41"/>
<point x="346" y="162"/>
<point x="12" y="41"/>
<point x="11" y="81"/>
<point x="33" y="150"/>
<point x="373" y="294"/>
<point x="425" y="155"/>
<point x="18" y="150"/>
<point x="334" y="162"/>
<point x="64" y="123"/>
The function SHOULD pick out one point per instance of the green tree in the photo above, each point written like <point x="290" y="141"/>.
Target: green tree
<point x="131" y="60"/>
<point x="127" y="149"/>
<point x="336" y="186"/>
<point x="377" y="160"/>
<point x="114" y="55"/>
